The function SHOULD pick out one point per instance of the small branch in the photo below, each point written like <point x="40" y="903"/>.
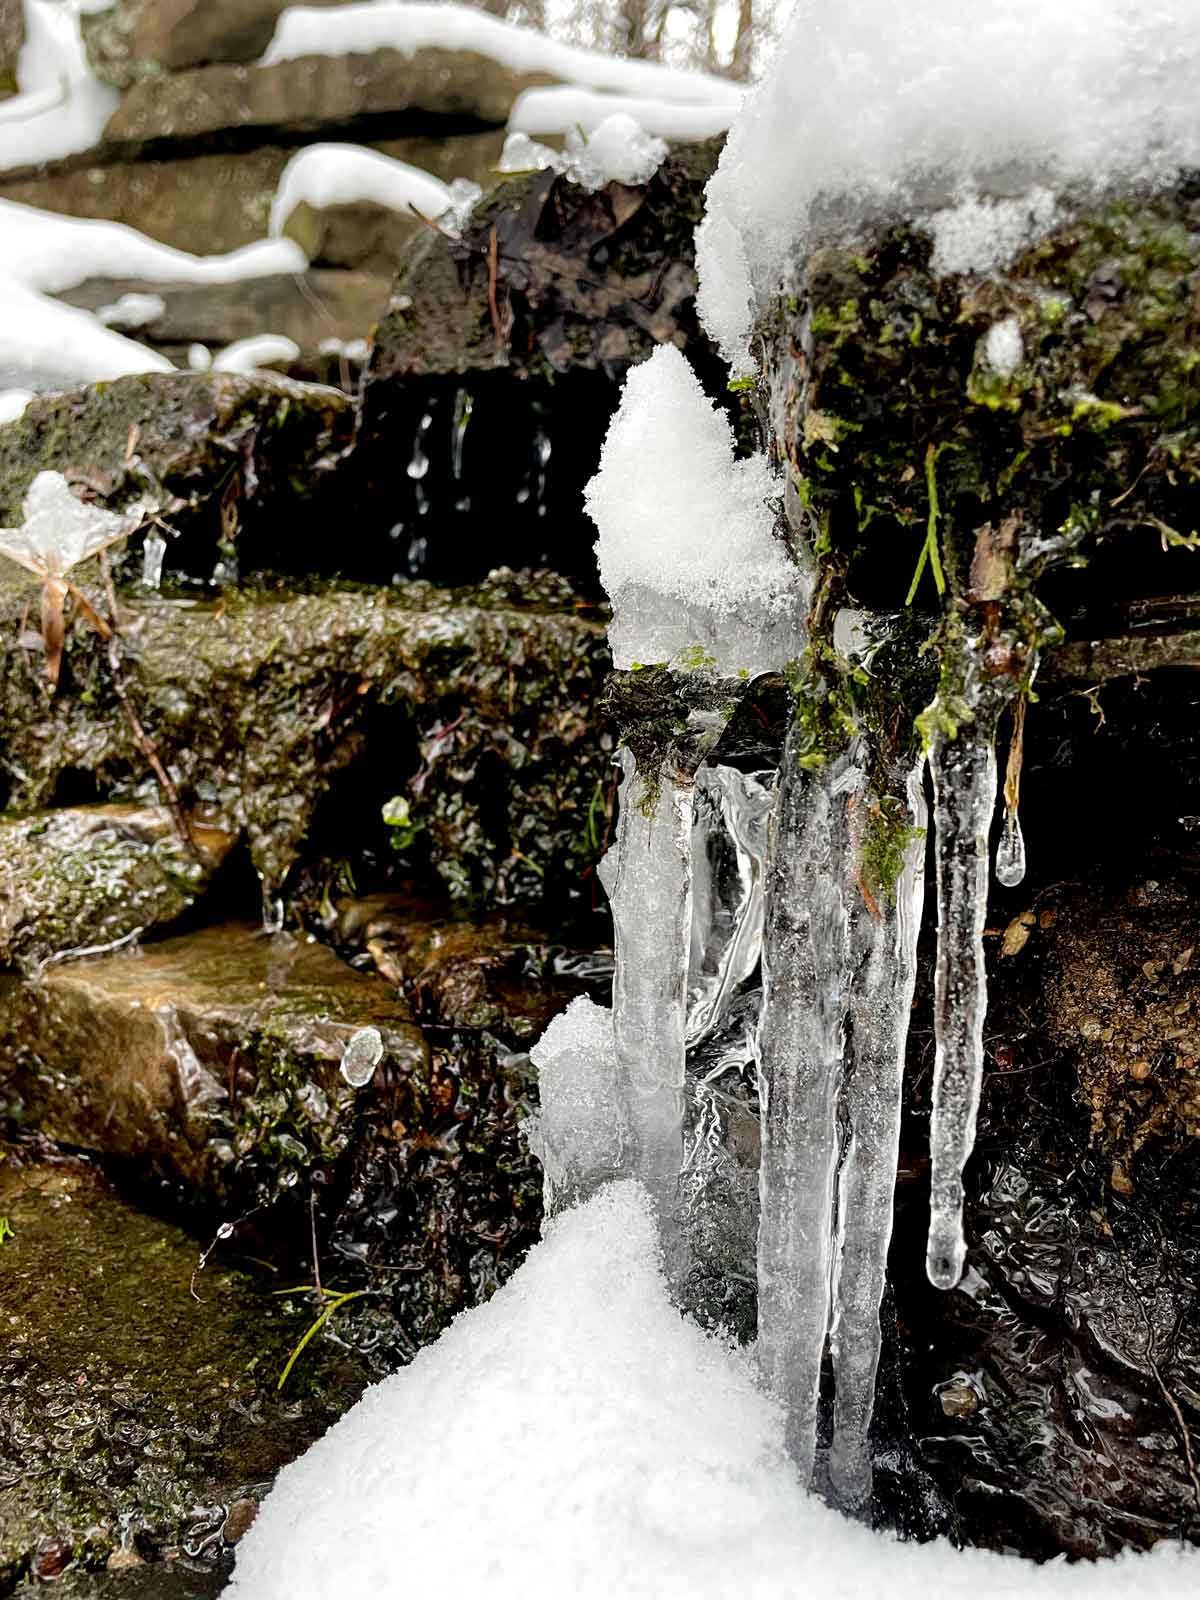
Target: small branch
<point x="140" y="737"/>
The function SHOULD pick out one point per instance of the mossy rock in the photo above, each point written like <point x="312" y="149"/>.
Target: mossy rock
<point x="292" y="712"/>
<point x="138" y="1399"/>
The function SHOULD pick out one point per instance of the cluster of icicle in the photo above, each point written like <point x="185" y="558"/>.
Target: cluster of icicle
<point x="714" y="872"/>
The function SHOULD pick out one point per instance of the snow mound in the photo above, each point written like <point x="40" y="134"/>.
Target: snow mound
<point x="874" y="106"/>
<point x="345" y="174"/>
<point x="564" y="110"/>
<point x="576" y="1134"/>
<point x="617" y="150"/>
<point x="258" y="351"/>
<point x="687" y="549"/>
<point x="577" y="1437"/>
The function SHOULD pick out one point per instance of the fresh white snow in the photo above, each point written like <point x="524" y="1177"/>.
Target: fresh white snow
<point x="687" y="550"/>
<point x="576" y="1133"/>
<point x="61" y="108"/>
<point x="1004" y="347"/>
<point x="565" y="108"/>
<point x="44" y="343"/>
<point x="343" y="174"/>
<point x="408" y="27"/>
<point x="132" y="311"/>
<point x="576" y="1437"/>
<point x="869" y="104"/>
<point x="261" y="350"/>
<point x="13" y="403"/>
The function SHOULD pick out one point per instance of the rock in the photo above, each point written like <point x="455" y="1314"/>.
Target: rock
<point x="146" y="38"/>
<point x="584" y="286"/>
<point x="310" y="308"/>
<point x="213" y="203"/>
<point x="135" y="1417"/>
<point x="12" y="37"/>
<point x="425" y="93"/>
<point x="211" y="1058"/>
<point x="210" y="448"/>
<point x="280" y="709"/>
<point x="94" y="875"/>
<point x="363" y="235"/>
<point x="494" y="973"/>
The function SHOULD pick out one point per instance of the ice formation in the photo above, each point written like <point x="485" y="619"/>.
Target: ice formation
<point x="59" y="530"/>
<point x="579" y="1134"/>
<point x="576" y="1436"/>
<point x="617" y="149"/>
<point x="363" y="1053"/>
<point x="869" y="106"/>
<point x="687" y="546"/>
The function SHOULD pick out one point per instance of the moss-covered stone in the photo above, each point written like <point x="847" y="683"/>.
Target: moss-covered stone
<point x="209" y="449"/>
<point x="93" y="875"/>
<point x="133" y="39"/>
<point x="211" y="1058"/>
<point x="138" y="1398"/>
<point x="274" y="707"/>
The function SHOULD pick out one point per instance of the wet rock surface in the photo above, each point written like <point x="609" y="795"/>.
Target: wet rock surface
<point x="95" y="875"/>
<point x="308" y="713"/>
<point x="139" y="1420"/>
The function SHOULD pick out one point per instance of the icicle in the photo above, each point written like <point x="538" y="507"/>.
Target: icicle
<point x="881" y="1005"/>
<point x="1010" y="852"/>
<point x="806" y="972"/>
<point x="648" y="879"/>
<point x="153" y="552"/>
<point x="964" y="788"/>
<point x="729" y="848"/>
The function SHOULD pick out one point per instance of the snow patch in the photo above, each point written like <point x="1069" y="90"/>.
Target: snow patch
<point x="617" y="150"/>
<point x="576" y="1134"/>
<point x="1004" y="347"/>
<point x="132" y="311"/>
<point x="346" y="174"/>
<point x="262" y="350"/>
<point x="61" y="108"/>
<point x="871" y="107"/>
<point x="398" y="25"/>
<point x="577" y="1436"/>
<point x="565" y="110"/>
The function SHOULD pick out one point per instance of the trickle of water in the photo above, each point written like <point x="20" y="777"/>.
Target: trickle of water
<point x="418" y="464"/>
<point x="541" y="450"/>
<point x="153" y="552"/>
<point x="363" y="1053"/>
<point x="1010" y="852"/>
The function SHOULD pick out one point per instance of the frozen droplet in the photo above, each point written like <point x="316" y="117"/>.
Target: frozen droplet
<point x="153" y="552"/>
<point x="289" y="1180"/>
<point x="462" y="417"/>
<point x="418" y="465"/>
<point x="272" y="913"/>
<point x="1010" y="852"/>
<point x="225" y="1231"/>
<point x="362" y="1055"/>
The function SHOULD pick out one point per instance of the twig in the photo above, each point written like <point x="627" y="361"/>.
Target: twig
<point x="493" y="277"/>
<point x="140" y="737"/>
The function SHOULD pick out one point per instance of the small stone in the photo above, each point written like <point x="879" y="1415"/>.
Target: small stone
<point x="51" y="1557"/>
<point x="238" y="1519"/>
<point x="958" y="1400"/>
<point x="123" y="1558"/>
<point x="1120" y="1180"/>
<point x="1140" y="1071"/>
<point x="1090" y="1027"/>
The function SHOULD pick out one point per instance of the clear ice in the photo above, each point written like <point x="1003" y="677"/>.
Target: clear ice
<point x="1010" y="851"/>
<point x="363" y="1053"/>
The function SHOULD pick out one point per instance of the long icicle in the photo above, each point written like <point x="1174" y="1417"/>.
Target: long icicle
<point x="648" y="877"/>
<point x="964" y="790"/>
<point x="806" y="961"/>
<point x="881" y="1007"/>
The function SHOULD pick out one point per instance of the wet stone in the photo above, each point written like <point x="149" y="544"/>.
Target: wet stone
<point x="211" y="1059"/>
<point x="87" y="876"/>
<point x="138" y="1420"/>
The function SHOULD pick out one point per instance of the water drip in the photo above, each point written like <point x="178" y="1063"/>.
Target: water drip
<point x="1010" y="852"/>
<point x="153" y="552"/>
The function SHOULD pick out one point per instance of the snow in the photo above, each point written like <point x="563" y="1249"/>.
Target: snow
<point x="977" y="235"/>
<point x="398" y="25"/>
<point x="262" y="350"/>
<point x="576" y="1134"/>
<point x="870" y="106"/>
<point x="345" y="174"/>
<point x="45" y="344"/>
<point x="61" y="108"/>
<point x="132" y="311"/>
<point x="617" y="149"/>
<point x="564" y="109"/>
<point x="59" y="530"/>
<point x="13" y="402"/>
<point x="687" y="550"/>
<point x="577" y="1436"/>
<point x="1004" y="347"/>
